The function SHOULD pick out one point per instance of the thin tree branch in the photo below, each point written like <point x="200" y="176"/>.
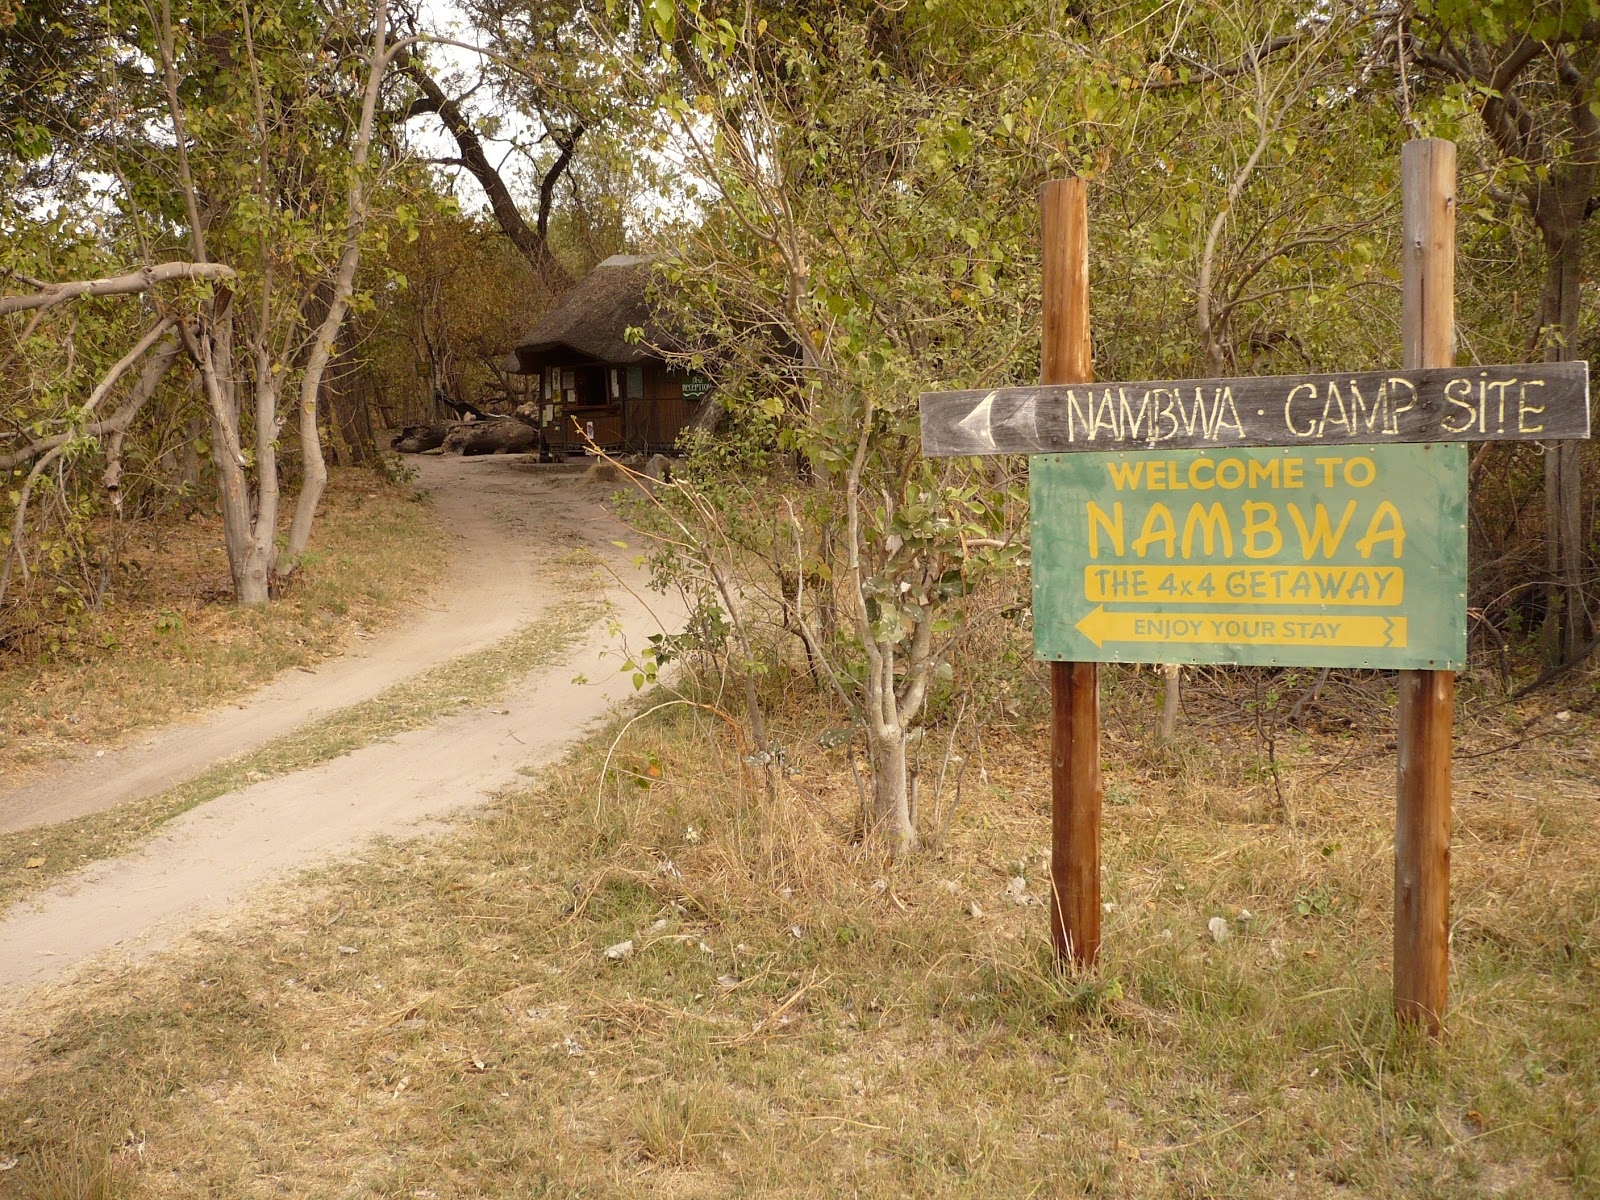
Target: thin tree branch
<point x="118" y="422"/>
<point x="16" y="552"/>
<point x="51" y="294"/>
<point x="532" y="241"/>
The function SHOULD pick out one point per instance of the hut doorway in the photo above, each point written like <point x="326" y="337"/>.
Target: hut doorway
<point x="592" y="388"/>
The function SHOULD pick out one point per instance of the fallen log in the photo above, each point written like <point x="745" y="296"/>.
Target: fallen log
<point x="416" y="439"/>
<point x="499" y="436"/>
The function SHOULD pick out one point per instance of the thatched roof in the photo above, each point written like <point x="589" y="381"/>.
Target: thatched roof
<point x="593" y="316"/>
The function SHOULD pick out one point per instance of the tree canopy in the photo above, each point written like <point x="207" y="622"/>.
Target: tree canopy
<point x="844" y="200"/>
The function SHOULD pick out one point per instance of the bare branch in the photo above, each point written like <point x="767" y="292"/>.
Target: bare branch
<point x="169" y="78"/>
<point x="51" y="294"/>
<point x="1201" y="72"/>
<point x="13" y="273"/>
<point x="532" y="241"/>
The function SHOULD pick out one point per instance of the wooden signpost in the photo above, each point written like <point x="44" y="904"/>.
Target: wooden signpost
<point x="1533" y="402"/>
<point x="1313" y="520"/>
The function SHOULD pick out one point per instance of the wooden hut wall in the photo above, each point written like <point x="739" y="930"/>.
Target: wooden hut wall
<point x="668" y="412"/>
<point x="641" y="408"/>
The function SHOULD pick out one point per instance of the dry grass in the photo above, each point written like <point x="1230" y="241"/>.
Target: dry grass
<point x="797" y="1019"/>
<point x="33" y="859"/>
<point x="171" y="642"/>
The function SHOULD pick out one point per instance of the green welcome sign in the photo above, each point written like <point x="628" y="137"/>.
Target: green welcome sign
<point x="1352" y="556"/>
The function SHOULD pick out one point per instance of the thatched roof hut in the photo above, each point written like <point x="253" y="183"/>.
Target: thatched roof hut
<point x="592" y="318"/>
<point x="593" y="384"/>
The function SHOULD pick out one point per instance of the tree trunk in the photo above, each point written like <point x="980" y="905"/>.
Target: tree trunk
<point x="189" y="469"/>
<point x="313" y="465"/>
<point x="349" y="402"/>
<point x="249" y="539"/>
<point x="250" y="585"/>
<point x="315" y="474"/>
<point x="249" y="554"/>
<point x="1565" y="629"/>
<point x="532" y="242"/>
<point x="891" y="797"/>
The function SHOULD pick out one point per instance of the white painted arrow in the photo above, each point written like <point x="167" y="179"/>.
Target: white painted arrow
<point x="976" y="422"/>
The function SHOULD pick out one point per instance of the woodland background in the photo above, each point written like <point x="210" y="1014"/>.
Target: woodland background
<point x="239" y="242"/>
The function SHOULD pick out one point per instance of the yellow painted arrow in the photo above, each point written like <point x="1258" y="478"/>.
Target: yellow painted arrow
<point x="1277" y="629"/>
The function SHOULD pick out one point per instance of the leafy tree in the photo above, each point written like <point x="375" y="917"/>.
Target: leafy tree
<point x="51" y="70"/>
<point x="1529" y="69"/>
<point x="542" y="100"/>
<point x="869" y="230"/>
<point x="453" y="300"/>
<point x="1242" y="198"/>
<point x="79" y="364"/>
<point x="242" y="140"/>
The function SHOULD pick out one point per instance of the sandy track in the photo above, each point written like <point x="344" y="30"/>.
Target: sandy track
<point x="512" y="526"/>
<point x="507" y="524"/>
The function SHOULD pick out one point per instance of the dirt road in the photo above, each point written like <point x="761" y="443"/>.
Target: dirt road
<point x="520" y="532"/>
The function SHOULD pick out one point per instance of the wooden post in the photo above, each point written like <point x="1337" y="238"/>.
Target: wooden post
<point x="1426" y="698"/>
<point x="1075" y="812"/>
<point x="1074" y="687"/>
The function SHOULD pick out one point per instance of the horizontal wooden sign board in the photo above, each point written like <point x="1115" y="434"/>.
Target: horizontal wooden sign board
<point x="1532" y="402"/>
